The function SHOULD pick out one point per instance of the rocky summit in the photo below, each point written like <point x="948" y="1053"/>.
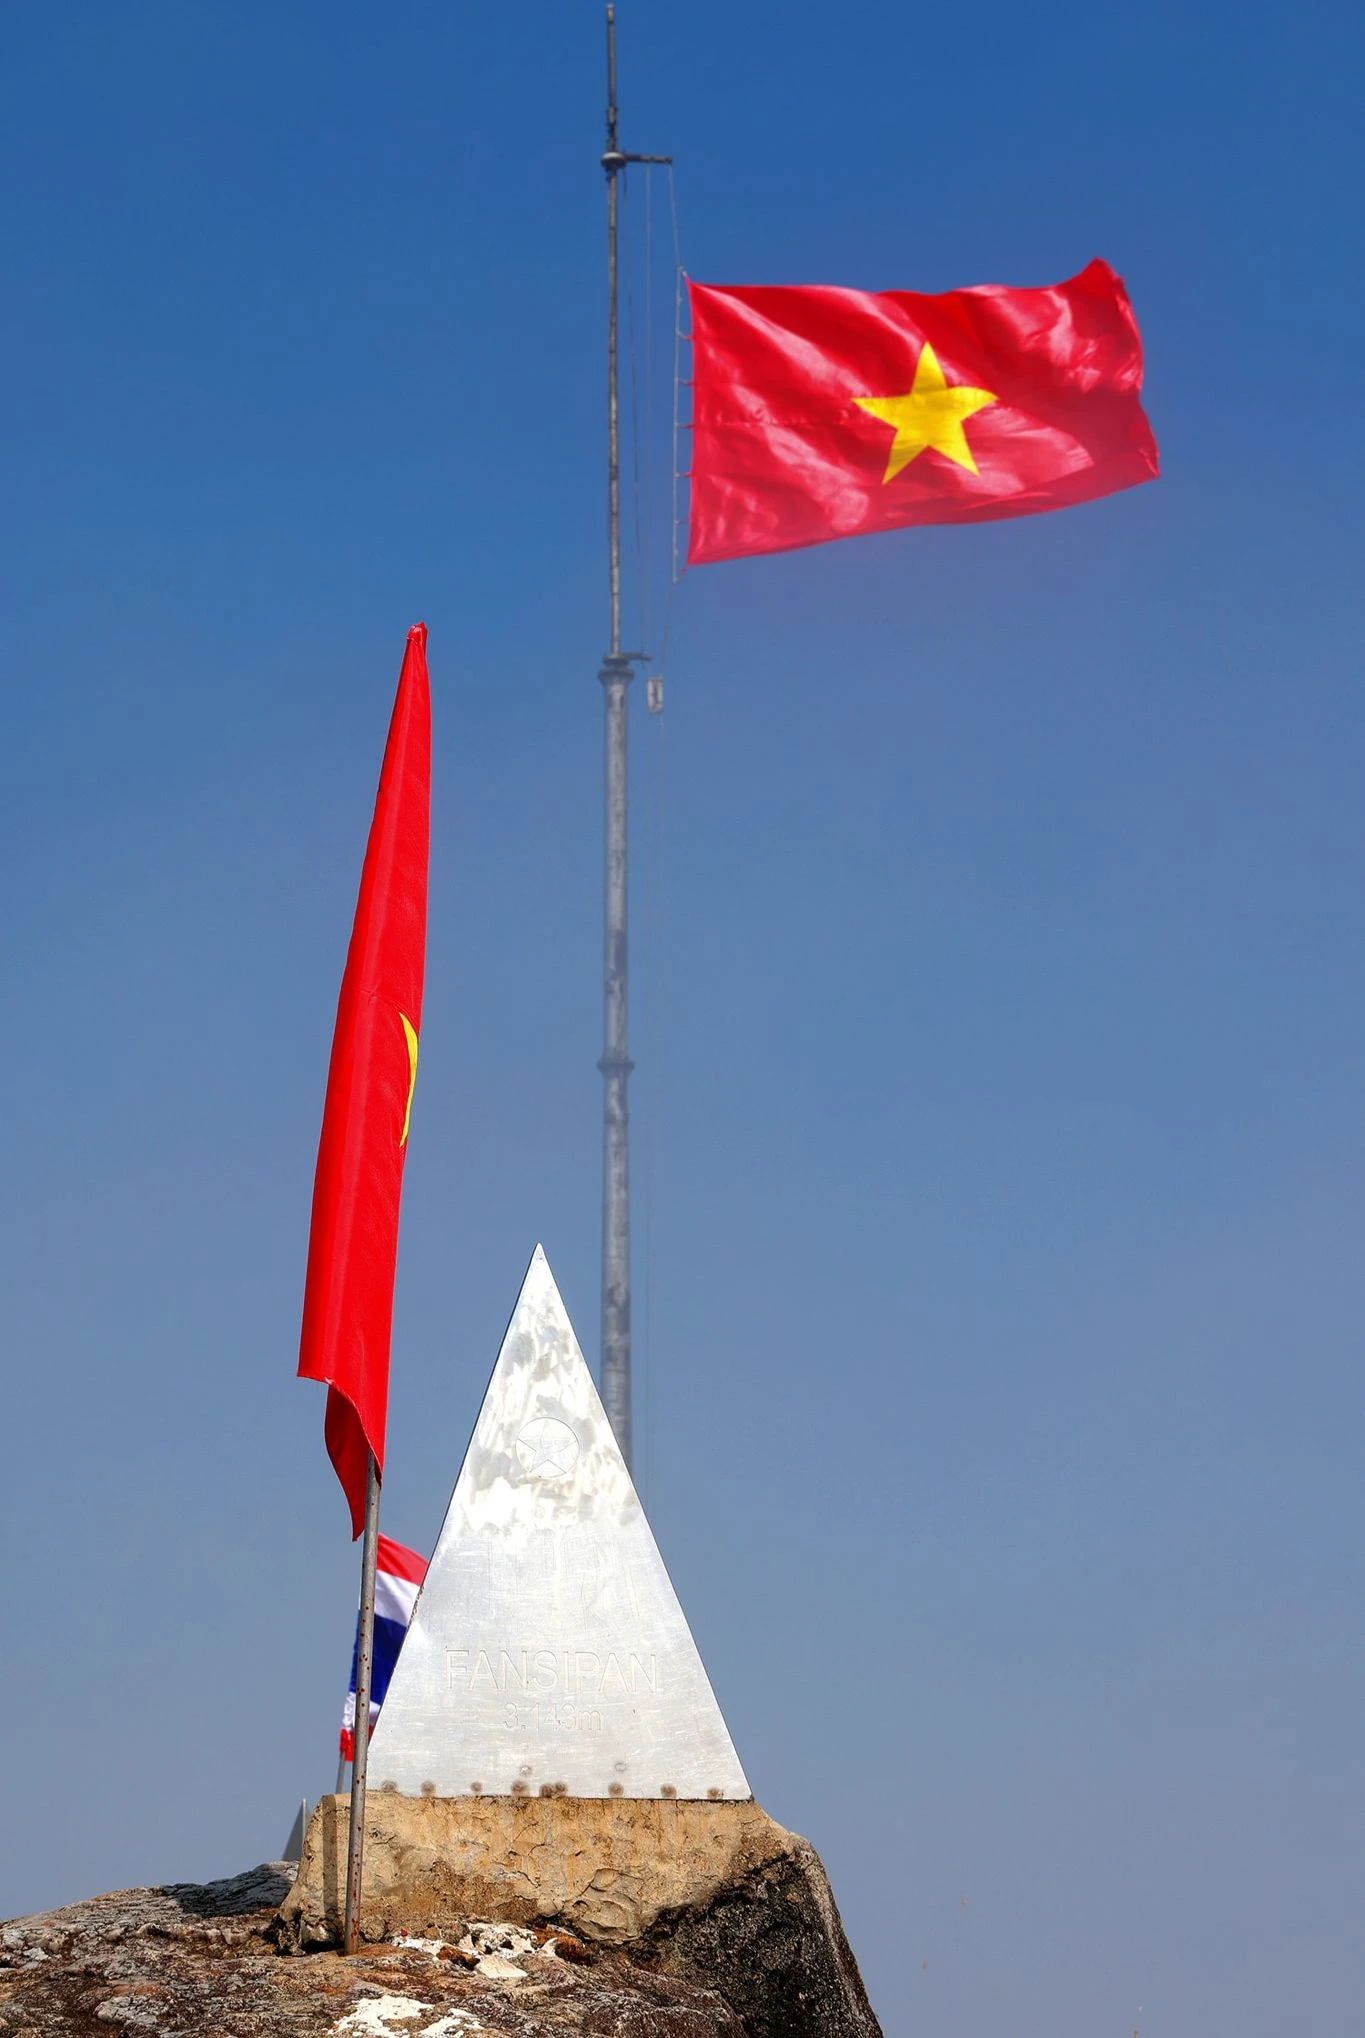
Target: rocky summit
<point x="196" y="1961"/>
<point x="730" y="1933"/>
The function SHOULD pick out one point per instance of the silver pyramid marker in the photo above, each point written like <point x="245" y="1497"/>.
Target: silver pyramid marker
<point x="293" y="1846"/>
<point x="547" y="1653"/>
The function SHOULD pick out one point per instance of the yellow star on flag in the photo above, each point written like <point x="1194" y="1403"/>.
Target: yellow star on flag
<point x="410" y="1035"/>
<point x="929" y="418"/>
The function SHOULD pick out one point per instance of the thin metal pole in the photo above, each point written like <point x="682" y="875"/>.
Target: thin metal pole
<point x="613" y="162"/>
<point x="615" y="676"/>
<point x="616" y="1066"/>
<point x="363" y="1676"/>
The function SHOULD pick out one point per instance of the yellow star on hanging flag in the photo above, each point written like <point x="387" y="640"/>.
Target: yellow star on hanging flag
<point x="929" y="419"/>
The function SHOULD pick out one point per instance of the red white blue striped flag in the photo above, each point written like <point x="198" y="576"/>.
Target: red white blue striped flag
<point x="398" y="1578"/>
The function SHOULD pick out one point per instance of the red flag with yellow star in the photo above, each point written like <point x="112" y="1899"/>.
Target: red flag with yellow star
<point x="353" y="1244"/>
<point x="823" y="413"/>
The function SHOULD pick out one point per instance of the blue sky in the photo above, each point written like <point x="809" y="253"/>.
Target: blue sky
<point x="1000" y="1113"/>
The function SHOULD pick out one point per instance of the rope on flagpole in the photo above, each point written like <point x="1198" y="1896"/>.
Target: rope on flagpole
<point x="639" y="505"/>
<point x="678" y="337"/>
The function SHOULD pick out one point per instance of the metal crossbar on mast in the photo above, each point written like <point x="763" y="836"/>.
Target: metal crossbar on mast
<point x="615" y="675"/>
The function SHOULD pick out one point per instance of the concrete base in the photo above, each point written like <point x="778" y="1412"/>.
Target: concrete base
<point x="605" y="1867"/>
<point x="713" y="1891"/>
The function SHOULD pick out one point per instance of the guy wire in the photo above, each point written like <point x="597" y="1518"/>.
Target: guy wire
<point x="647" y="406"/>
<point x="651" y="885"/>
<point x="654" y="1089"/>
<point x="640" y="410"/>
<point x="633" y="381"/>
<point x="679" y="278"/>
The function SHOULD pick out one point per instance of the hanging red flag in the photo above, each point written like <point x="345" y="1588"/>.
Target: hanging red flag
<point x="823" y="413"/>
<point x="353" y="1244"/>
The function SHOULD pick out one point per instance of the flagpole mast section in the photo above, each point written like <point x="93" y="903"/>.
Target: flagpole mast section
<point x="613" y="162"/>
<point x="616" y="1066"/>
<point x="364" y="1677"/>
<point x="615" y="675"/>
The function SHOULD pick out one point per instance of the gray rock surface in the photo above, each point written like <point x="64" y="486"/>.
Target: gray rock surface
<point x="193" y="1961"/>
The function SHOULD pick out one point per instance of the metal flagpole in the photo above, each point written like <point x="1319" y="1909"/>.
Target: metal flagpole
<point x="364" y="1666"/>
<point x="615" y="676"/>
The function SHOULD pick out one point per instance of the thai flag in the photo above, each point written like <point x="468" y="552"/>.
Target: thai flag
<point x="398" y="1576"/>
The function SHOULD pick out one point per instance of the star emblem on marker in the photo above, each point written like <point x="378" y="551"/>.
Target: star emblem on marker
<point x="547" y="1445"/>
